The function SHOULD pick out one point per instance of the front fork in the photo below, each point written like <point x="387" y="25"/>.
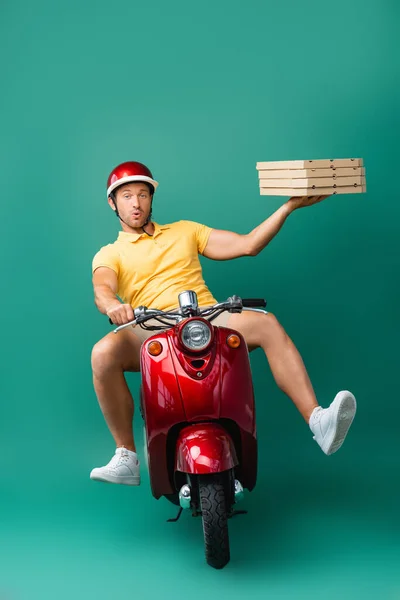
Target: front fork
<point x="189" y="494"/>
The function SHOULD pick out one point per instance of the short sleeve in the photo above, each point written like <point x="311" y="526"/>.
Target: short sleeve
<point x="202" y="233"/>
<point x="107" y="256"/>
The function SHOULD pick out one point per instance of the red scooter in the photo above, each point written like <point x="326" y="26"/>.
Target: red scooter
<point x="197" y="402"/>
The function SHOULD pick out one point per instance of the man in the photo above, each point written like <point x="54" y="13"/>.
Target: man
<point x="150" y="264"/>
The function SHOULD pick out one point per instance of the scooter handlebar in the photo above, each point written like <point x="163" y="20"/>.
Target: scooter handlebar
<point x="253" y="302"/>
<point x="234" y="304"/>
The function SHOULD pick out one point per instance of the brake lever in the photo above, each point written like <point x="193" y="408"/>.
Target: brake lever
<point x="138" y="320"/>
<point x="125" y="325"/>
<point x="138" y="312"/>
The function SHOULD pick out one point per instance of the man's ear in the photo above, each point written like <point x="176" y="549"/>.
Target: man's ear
<point x="111" y="203"/>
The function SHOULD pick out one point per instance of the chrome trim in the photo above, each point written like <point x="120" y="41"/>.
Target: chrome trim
<point x="185" y="496"/>
<point x="239" y="491"/>
<point x="188" y="302"/>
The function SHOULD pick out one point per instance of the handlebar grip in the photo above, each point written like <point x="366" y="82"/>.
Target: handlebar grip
<point x="253" y="302"/>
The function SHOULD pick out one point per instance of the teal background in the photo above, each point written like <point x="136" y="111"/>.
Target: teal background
<point x="200" y="93"/>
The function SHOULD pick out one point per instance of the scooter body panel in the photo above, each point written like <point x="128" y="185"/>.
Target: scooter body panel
<point x="204" y="448"/>
<point x="181" y="389"/>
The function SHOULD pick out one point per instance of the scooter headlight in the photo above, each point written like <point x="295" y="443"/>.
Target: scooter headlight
<point x="196" y="335"/>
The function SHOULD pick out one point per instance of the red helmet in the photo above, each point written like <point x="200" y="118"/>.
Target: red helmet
<point x="129" y="171"/>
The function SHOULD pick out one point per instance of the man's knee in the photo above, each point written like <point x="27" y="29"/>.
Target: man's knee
<point x="257" y="328"/>
<point x="269" y="329"/>
<point x="116" y="352"/>
<point x="103" y="354"/>
<point x="270" y="322"/>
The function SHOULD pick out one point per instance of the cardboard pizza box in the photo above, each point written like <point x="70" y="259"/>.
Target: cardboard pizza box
<point x="305" y="173"/>
<point x="312" y="182"/>
<point x="312" y="191"/>
<point x="311" y="164"/>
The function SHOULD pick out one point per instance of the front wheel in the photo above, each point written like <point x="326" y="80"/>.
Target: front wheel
<point x="213" y="506"/>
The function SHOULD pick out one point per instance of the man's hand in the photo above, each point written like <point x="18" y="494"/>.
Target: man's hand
<point x="301" y="202"/>
<point x="120" y="313"/>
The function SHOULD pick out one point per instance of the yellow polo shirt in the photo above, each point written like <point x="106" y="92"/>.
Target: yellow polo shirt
<point x="152" y="271"/>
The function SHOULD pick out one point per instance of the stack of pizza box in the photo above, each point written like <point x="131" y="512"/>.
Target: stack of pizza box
<point x="312" y="177"/>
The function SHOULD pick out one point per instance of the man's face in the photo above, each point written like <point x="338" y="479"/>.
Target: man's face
<point x="133" y="203"/>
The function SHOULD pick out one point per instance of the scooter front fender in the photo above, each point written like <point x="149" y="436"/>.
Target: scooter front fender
<point x="204" y="448"/>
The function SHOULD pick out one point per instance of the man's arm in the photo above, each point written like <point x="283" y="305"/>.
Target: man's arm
<point x="105" y="286"/>
<point x="224" y="245"/>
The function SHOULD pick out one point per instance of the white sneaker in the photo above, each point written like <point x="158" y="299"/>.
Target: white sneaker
<point x="124" y="467"/>
<point x="330" y="425"/>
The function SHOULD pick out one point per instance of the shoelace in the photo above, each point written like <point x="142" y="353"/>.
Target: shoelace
<point x="118" y="459"/>
<point x="317" y="416"/>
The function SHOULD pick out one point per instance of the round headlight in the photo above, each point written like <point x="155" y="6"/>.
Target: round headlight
<point x="196" y="335"/>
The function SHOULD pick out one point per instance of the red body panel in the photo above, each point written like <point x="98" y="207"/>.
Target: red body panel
<point x="205" y="448"/>
<point x="174" y="396"/>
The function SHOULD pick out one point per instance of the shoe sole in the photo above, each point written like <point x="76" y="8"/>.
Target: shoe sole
<point x="344" y="410"/>
<point x="127" y="480"/>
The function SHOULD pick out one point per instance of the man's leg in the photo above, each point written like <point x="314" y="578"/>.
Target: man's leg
<point x="111" y="357"/>
<point x="287" y="367"/>
<point x="330" y="425"/>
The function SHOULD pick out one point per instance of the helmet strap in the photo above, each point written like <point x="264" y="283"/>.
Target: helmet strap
<point x="148" y="220"/>
<point x="144" y="231"/>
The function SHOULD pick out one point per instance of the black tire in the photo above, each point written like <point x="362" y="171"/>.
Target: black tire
<point x="213" y="506"/>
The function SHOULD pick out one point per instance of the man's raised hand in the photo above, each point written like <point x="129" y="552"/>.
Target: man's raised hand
<point x="301" y="202"/>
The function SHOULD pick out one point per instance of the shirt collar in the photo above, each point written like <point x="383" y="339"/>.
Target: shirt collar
<point x="133" y="237"/>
